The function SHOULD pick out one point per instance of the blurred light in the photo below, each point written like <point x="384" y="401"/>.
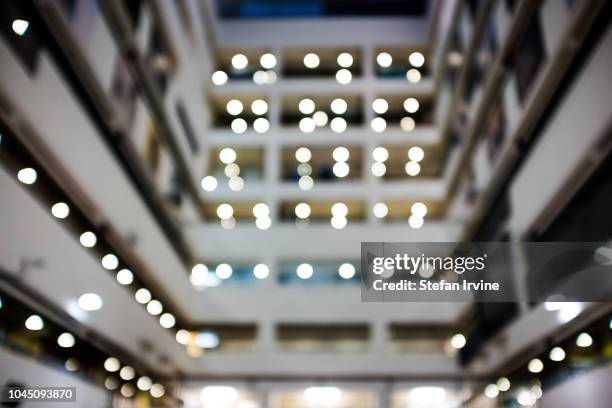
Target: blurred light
<point x="219" y="78"/>
<point x="27" y="175"/>
<point x="259" y="107"/>
<point x="234" y="107"/>
<point x="407" y="124"/>
<point x="261" y="77"/>
<point x="338" y="106"/>
<point x="557" y="354"/>
<point x="90" y="302"/>
<point x="525" y="398"/>
<point x="72" y="364"/>
<point x="305" y="183"/>
<point x="341" y="154"/>
<point x="154" y="307"/>
<point x="240" y="61"/>
<point x="127" y="390"/>
<point x="412" y="168"/>
<point x="267" y="61"/>
<point x="225" y="211"/>
<point x="380" y="210"/>
<point x="207" y="340"/>
<point x="144" y="383"/>
<point x="304" y="169"/>
<point x="427" y="395"/>
<point x="303" y="154"/>
<point x="338" y="125"/>
<point x="88" y="239"/>
<point x="228" y="224"/>
<point x="157" y="390"/>
<point x="311" y="60"/>
<point x="306" y="106"/>
<point x="416" y="154"/>
<point x="535" y="365"/>
<point x="378" y="124"/>
<point x="584" y="340"/>
<point x="110" y="262"/>
<point x="339" y="210"/>
<point x="167" y="320"/>
<point x="198" y="276"/>
<point x="231" y="170"/>
<point x="261" y="271"/>
<point x="569" y="311"/>
<point x="320" y="118"/>
<point x="263" y="223"/>
<point x="419" y="209"/>
<point x="415" y="222"/>
<point x="491" y="391"/>
<point x="125" y="277"/>
<point x="142" y="296"/>
<point x="304" y="271"/>
<point x="209" y="183"/>
<point x="271" y="77"/>
<point x="236" y="183"/>
<point x="111" y="383"/>
<point x="302" y="210"/>
<point x="227" y="155"/>
<point x="239" y="126"/>
<point x="503" y="384"/>
<point x="307" y="125"/>
<point x="346" y="271"/>
<point x="345" y="60"/>
<point x="218" y="395"/>
<point x="127" y="373"/>
<point x="380" y="106"/>
<point x="338" y="222"/>
<point x="416" y="59"/>
<point x="384" y="59"/>
<point x="20" y="26"/>
<point x="411" y="105"/>
<point x="322" y="396"/>
<point x="455" y="58"/>
<point x="341" y="169"/>
<point x="378" y="169"/>
<point x="111" y="364"/>
<point x="380" y="154"/>
<point x="413" y="75"/>
<point x="536" y="391"/>
<point x="66" y="340"/>
<point x="344" y="76"/>
<point x="261" y="210"/>
<point x="60" y="210"/>
<point x="223" y="271"/>
<point x="458" y="340"/>
<point x="183" y="336"/>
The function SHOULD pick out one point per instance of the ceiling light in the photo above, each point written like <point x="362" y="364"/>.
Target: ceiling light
<point x="378" y="169"/>
<point x="413" y="75"/>
<point x="167" y="320"/>
<point x="568" y="311"/>
<point x="411" y="105"/>
<point x="127" y="390"/>
<point x="239" y="126"/>
<point x="338" y="222"/>
<point x="90" y="302"/>
<point x="227" y="155"/>
<point x="378" y="124"/>
<point x="584" y="340"/>
<point x="429" y="396"/>
<point x="110" y="383"/>
<point x="234" y="107"/>
<point x="142" y="296"/>
<point x="311" y="60"/>
<point x="503" y="384"/>
<point x="88" y="239"/>
<point x="419" y="209"/>
<point x="261" y="77"/>
<point x="407" y="124"/>
<point x="304" y="169"/>
<point x="339" y="210"/>
<point x="338" y="106"/>
<point x="125" y="277"/>
<point x="416" y="59"/>
<point x="225" y="211"/>
<point x="535" y="365"/>
<point x="199" y="275"/>
<point x="341" y="169"/>
<point x="231" y="170"/>
<point x="261" y="271"/>
<point x="154" y="307"/>
<point x="344" y="76"/>
<point x="307" y="125"/>
<point x="207" y="340"/>
<point x="261" y="210"/>
<point x="557" y="354"/>
<point x="218" y="395"/>
<point x="338" y="125"/>
<point x="111" y="364"/>
<point x="20" y="26"/>
<point x="345" y="60"/>
<point x="306" y="183"/>
<point x="341" y="154"/>
<point x="303" y="154"/>
<point x="302" y="210"/>
<point x="416" y="154"/>
<point x="127" y="373"/>
<point x="259" y="107"/>
<point x="380" y="154"/>
<point x="346" y="271"/>
<point x="209" y="183"/>
<point x="236" y="183"/>
<point x="322" y="396"/>
<point x="223" y="271"/>
<point x="144" y="383"/>
<point x="458" y="340"/>
<point x="110" y="262"/>
<point x="525" y="398"/>
<point x="271" y="77"/>
<point x="320" y="118"/>
<point x="380" y="106"/>
<point x="228" y="224"/>
<point x="219" y="78"/>
<point x="267" y="61"/>
<point x="263" y="223"/>
<point x="304" y="271"/>
<point x="380" y="210"/>
<point x="157" y="390"/>
<point x="306" y="106"/>
<point x="384" y="59"/>
<point x="60" y="210"/>
<point x="415" y="222"/>
<point x="240" y="61"/>
<point x="412" y="168"/>
<point x="183" y="336"/>
<point x="34" y="323"/>
<point x="491" y="391"/>
<point x="27" y="175"/>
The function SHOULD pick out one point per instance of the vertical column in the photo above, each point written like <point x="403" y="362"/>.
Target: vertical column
<point x="265" y="334"/>
<point x="370" y="143"/>
<point x="272" y="147"/>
